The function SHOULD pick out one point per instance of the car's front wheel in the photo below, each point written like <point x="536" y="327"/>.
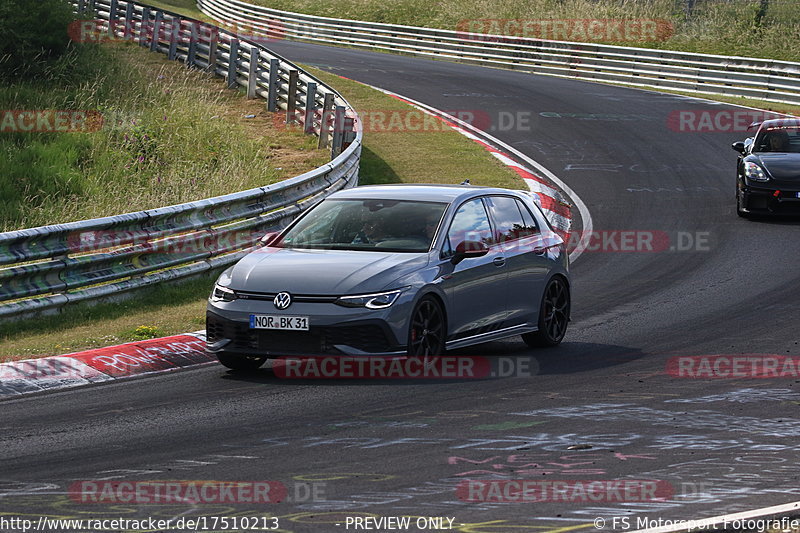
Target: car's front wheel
<point x="241" y="362"/>
<point x="739" y="211"/>
<point x="427" y="332"/>
<point x="553" y="315"/>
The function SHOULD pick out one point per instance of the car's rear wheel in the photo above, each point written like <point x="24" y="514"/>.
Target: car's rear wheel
<point x="427" y="332"/>
<point x="553" y="315"/>
<point x="241" y="362"/>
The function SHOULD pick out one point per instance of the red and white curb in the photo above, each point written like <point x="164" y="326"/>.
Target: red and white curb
<point x="557" y="198"/>
<point x="103" y="364"/>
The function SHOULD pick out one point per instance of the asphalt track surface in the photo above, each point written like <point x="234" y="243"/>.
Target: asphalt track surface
<point x="392" y="448"/>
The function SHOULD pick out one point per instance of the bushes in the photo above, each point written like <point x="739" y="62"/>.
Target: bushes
<point x="32" y="33"/>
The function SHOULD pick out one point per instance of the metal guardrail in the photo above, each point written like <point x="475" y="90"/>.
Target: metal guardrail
<point x="765" y="79"/>
<point x="45" y="268"/>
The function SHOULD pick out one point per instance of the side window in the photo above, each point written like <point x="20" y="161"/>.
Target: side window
<point x="529" y="227"/>
<point x="469" y="223"/>
<point x="507" y="218"/>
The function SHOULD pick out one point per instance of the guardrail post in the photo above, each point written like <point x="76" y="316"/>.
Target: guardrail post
<point x="112" y="18"/>
<point x="252" y="73"/>
<point x="212" y="53"/>
<point x="338" y="131"/>
<point x="144" y="28"/>
<point x="311" y="97"/>
<point x="274" y="80"/>
<point x="325" y="121"/>
<point x="128" y="33"/>
<point x="193" y="36"/>
<point x="174" y="31"/>
<point x="291" y="97"/>
<point x="159" y="22"/>
<point x="233" y="64"/>
<point x="349" y="134"/>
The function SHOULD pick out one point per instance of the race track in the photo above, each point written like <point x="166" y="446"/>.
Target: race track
<point x="393" y="448"/>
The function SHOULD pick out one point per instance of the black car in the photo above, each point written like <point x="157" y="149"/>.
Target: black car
<point x="768" y="176"/>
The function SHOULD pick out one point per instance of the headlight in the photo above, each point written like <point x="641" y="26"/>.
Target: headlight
<point x="380" y="300"/>
<point x="754" y="172"/>
<point x="222" y="294"/>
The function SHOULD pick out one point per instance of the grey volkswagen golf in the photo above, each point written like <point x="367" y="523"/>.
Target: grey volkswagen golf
<point x="395" y="270"/>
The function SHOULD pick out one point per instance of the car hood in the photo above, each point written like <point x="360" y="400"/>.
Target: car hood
<point x="784" y="166"/>
<point x="322" y="272"/>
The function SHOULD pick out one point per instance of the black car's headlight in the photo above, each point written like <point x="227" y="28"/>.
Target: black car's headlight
<point x="222" y="294"/>
<point x="378" y="300"/>
<point x="754" y="172"/>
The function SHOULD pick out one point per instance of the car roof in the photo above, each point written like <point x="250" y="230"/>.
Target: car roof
<point x="780" y="123"/>
<point x="419" y="192"/>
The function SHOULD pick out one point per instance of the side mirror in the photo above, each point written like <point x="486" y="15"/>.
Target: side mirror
<point x="269" y="238"/>
<point x="467" y="249"/>
<point x="739" y="147"/>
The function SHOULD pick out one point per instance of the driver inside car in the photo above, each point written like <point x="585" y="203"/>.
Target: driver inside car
<point x="372" y="231"/>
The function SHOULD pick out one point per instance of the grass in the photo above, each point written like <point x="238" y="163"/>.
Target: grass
<point x="169" y="135"/>
<point x="155" y="312"/>
<point x="427" y="155"/>
<point x="182" y="7"/>
<point x="436" y="156"/>
<point x="727" y="27"/>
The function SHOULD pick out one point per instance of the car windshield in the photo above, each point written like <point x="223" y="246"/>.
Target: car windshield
<point x="367" y="224"/>
<point x="781" y="139"/>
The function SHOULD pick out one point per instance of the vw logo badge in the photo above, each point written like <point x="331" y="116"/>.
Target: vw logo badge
<point x="282" y="300"/>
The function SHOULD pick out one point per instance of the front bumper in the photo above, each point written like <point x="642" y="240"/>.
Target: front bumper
<point x="347" y="338"/>
<point x="770" y="200"/>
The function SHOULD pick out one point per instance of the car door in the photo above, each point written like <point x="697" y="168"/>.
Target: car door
<point x="527" y="266"/>
<point x="475" y="286"/>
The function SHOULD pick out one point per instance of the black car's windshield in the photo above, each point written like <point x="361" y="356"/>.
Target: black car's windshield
<point x="367" y="224"/>
<point x="780" y="139"/>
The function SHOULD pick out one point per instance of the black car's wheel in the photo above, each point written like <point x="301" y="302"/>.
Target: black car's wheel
<point x="427" y="332"/>
<point x="241" y="362"/>
<point x="739" y="211"/>
<point x="553" y="315"/>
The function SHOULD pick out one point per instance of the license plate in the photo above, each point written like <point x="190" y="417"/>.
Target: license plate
<point x="295" y="323"/>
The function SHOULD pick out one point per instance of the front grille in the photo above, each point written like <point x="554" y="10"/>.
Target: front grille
<point x="321" y="340"/>
<point x="299" y="298"/>
<point x="318" y="340"/>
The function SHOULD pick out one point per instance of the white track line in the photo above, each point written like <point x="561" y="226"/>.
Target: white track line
<point x="726" y="521"/>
